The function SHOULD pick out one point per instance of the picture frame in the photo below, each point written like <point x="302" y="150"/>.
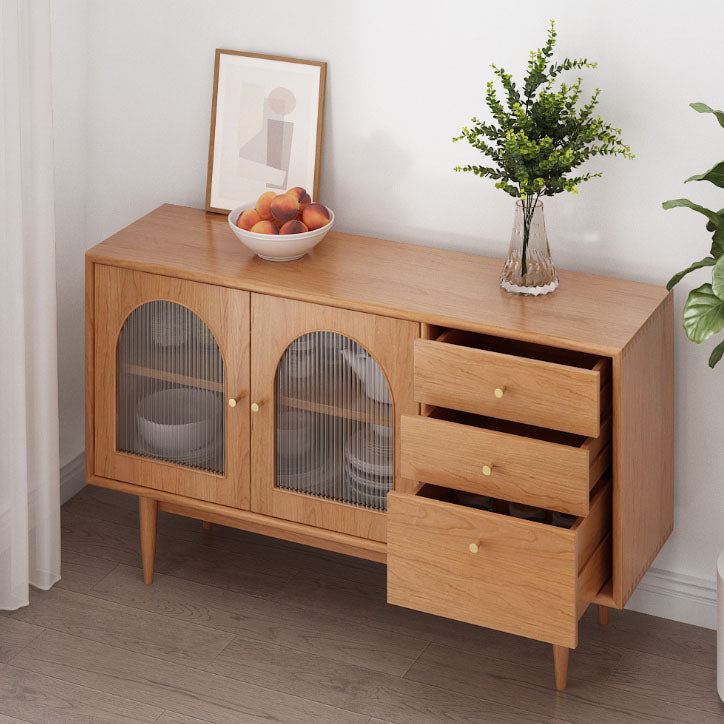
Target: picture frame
<point x="267" y="116"/>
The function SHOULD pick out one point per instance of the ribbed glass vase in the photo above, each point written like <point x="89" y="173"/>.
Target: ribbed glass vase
<point x="529" y="268"/>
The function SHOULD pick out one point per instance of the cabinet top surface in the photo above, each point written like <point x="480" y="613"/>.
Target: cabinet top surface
<point x="418" y="283"/>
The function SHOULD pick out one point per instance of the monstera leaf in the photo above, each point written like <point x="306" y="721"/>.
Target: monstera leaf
<point x="703" y="314"/>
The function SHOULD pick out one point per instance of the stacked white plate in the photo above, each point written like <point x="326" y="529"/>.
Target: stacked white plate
<point x="368" y="468"/>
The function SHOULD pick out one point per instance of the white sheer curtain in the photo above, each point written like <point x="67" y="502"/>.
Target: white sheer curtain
<point x="29" y="465"/>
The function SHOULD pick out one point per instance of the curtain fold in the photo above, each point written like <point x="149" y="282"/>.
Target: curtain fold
<point x="29" y="459"/>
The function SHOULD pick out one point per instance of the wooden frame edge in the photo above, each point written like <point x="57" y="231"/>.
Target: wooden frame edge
<point x="89" y="356"/>
<point x="321" y="64"/>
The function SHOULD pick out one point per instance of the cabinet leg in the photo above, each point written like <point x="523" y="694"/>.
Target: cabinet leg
<point x="560" y="665"/>
<point x="207" y="525"/>
<point x="148" y="517"/>
<point x="602" y="615"/>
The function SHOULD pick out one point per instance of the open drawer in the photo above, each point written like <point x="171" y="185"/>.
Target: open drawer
<point x="525" y="464"/>
<point x="511" y="380"/>
<point x="527" y="578"/>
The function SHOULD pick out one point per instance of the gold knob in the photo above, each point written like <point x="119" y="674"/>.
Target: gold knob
<point x="487" y="469"/>
<point x="233" y="401"/>
<point x="255" y="407"/>
<point x="499" y="392"/>
<point x="474" y="547"/>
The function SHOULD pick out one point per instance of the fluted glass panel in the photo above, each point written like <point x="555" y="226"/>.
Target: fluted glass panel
<point x="170" y="388"/>
<point x="334" y="422"/>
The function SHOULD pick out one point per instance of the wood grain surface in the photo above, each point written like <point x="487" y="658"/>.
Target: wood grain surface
<point x="419" y="283"/>
<point x="118" y="651"/>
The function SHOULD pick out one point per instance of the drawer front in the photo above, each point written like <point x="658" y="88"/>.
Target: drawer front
<point x="522" y="580"/>
<point x="521" y="469"/>
<point x="534" y="392"/>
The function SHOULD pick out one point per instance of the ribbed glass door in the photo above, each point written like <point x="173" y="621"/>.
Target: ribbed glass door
<point x="170" y="398"/>
<point x="333" y="422"/>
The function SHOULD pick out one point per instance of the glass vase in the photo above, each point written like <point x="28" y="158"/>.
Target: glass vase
<point x="529" y="268"/>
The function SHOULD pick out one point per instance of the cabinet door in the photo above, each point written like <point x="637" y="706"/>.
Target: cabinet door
<point x="329" y="386"/>
<point x="169" y="353"/>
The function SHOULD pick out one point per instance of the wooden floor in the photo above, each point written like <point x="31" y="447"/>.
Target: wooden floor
<point x="240" y="628"/>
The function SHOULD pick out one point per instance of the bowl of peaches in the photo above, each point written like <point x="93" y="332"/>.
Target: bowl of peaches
<point x="282" y="227"/>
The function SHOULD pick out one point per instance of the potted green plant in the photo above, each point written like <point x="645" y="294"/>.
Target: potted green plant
<point x="535" y="141"/>
<point x="704" y="308"/>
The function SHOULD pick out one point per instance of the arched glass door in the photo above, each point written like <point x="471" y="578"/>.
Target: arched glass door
<point x="170" y="388"/>
<point x="334" y="422"/>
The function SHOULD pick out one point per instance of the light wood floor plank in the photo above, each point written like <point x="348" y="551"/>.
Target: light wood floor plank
<point x="531" y="688"/>
<point x="175" y="687"/>
<point x="675" y="682"/>
<point x="80" y="572"/>
<point x="36" y="698"/>
<point x="653" y="635"/>
<point x="14" y="635"/>
<point x="352" y="687"/>
<point x="171" y="717"/>
<point x="128" y="628"/>
<point x="336" y="637"/>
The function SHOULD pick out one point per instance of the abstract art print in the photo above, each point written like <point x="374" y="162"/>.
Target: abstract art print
<point x="266" y="127"/>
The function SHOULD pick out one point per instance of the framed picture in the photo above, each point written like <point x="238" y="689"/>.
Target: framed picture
<point x="266" y="127"/>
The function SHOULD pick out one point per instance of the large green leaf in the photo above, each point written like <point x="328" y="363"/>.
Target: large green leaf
<point x="717" y="242"/>
<point x="709" y="225"/>
<point x="703" y="108"/>
<point x="703" y="314"/>
<point x="706" y="261"/>
<point x="716" y="354"/>
<point x="714" y="175"/>
<point x="717" y="278"/>
<point x="711" y="215"/>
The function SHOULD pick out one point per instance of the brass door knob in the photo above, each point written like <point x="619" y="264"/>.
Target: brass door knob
<point x="255" y="406"/>
<point x="498" y="392"/>
<point x="487" y="469"/>
<point x="474" y="547"/>
<point x="233" y="401"/>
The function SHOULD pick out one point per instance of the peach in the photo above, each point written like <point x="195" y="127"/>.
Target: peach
<point x="293" y="227"/>
<point x="284" y="207"/>
<point x="315" y="216"/>
<point x="247" y="219"/>
<point x="263" y="205"/>
<point x="301" y="196"/>
<point x="265" y="227"/>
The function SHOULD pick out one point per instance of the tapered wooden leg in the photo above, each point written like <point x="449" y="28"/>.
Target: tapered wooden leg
<point x="560" y="664"/>
<point x="148" y="516"/>
<point x="602" y="614"/>
<point x="207" y="525"/>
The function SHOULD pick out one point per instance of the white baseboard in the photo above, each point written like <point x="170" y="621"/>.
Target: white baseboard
<point x="72" y="478"/>
<point x="676" y="596"/>
<point x="660" y="593"/>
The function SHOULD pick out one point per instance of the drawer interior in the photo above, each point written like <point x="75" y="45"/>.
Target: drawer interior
<point x="528" y="350"/>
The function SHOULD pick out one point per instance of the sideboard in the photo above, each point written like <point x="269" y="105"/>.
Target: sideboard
<point x="509" y="458"/>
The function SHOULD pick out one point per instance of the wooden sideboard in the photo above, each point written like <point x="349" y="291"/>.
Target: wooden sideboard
<point x="555" y="412"/>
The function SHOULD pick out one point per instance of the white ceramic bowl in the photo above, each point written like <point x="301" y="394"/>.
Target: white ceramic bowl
<point x="178" y="420"/>
<point x="278" y="247"/>
<point x="294" y="433"/>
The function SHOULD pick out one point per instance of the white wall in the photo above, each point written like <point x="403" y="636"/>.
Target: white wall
<point x="402" y="78"/>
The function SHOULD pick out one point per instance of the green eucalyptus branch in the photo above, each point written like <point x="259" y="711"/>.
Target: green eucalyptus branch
<point x="539" y="134"/>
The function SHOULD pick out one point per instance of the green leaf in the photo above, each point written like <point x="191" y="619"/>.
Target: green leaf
<point x="709" y="225"/>
<point x="703" y="108"/>
<point x="717" y="242"/>
<point x="714" y="175"/>
<point x="674" y="203"/>
<point x="717" y="278"/>
<point x="703" y="314"/>
<point x="716" y="354"/>
<point x="706" y="261"/>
